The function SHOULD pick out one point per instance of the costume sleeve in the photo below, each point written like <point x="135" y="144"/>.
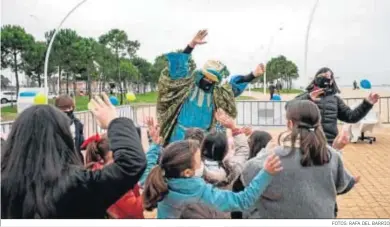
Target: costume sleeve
<point x="348" y="115"/>
<point x="178" y="65"/>
<point x="151" y="159"/>
<point x="239" y="83"/>
<point x="228" y="201"/>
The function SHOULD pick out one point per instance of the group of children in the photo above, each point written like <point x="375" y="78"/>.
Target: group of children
<point x="191" y="170"/>
<point x="234" y="174"/>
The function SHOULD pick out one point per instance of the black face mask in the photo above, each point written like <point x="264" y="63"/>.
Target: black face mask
<point x="322" y="82"/>
<point x="205" y="85"/>
<point x="70" y="114"/>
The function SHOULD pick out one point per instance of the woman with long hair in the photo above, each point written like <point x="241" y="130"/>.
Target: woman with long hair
<point x="314" y="173"/>
<point x="98" y="155"/>
<point x="175" y="183"/>
<point x="42" y="175"/>
<point x="323" y="91"/>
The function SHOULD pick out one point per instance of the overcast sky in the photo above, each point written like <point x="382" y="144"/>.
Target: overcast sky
<point x="350" y="36"/>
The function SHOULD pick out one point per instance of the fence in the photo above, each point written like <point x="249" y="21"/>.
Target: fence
<point x="254" y="113"/>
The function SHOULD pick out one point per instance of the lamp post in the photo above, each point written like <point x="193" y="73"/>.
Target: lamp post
<point x="307" y="38"/>
<point x="267" y="55"/>
<point x="51" y="44"/>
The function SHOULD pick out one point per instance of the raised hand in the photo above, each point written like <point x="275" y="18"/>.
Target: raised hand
<point x="342" y="138"/>
<point x="225" y="120"/>
<point x="373" y="98"/>
<point x="357" y="179"/>
<point x="154" y="130"/>
<point x="273" y="164"/>
<point x="199" y="38"/>
<point x="314" y="95"/>
<point x="103" y="110"/>
<point x="259" y="71"/>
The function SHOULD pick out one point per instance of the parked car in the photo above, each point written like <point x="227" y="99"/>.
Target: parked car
<point x="8" y="96"/>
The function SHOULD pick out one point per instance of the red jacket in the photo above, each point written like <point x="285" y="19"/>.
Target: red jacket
<point x="129" y="206"/>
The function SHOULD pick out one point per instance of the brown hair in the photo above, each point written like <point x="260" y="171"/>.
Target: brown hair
<point x="306" y="119"/>
<point x="175" y="158"/>
<point x="194" y="134"/>
<point x="64" y="101"/>
<point x="96" y="151"/>
<point x="257" y="141"/>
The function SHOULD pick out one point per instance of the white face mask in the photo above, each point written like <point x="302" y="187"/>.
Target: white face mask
<point x="199" y="172"/>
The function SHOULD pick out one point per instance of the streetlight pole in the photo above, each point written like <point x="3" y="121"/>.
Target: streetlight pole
<point x="307" y="38"/>
<point x="51" y="44"/>
<point x="266" y="58"/>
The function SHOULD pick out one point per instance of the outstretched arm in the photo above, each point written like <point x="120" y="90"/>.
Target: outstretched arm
<point x="226" y="201"/>
<point x="239" y="82"/>
<point x="178" y="63"/>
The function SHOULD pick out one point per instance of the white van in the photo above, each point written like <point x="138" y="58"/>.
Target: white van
<point x="8" y="96"/>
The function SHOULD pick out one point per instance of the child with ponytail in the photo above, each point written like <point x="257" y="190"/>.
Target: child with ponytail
<point x="314" y="174"/>
<point x="174" y="183"/>
<point x="98" y="154"/>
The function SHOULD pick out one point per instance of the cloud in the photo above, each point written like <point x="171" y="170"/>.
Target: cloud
<point x="349" y="36"/>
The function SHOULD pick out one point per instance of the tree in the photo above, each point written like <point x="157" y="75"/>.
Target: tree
<point x="144" y="68"/>
<point x="5" y="82"/>
<point x="62" y="51"/>
<point x="34" y="60"/>
<point x="14" y="42"/>
<point x="118" y="42"/>
<point x="282" y="68"/>
<point x="128" y="71"/>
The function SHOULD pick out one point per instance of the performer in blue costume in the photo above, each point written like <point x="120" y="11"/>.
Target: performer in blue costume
<point x="189" y="100"/>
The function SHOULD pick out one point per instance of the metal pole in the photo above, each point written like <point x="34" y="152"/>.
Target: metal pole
<point x="307" y="39"/>
<point x="51" y="44"/>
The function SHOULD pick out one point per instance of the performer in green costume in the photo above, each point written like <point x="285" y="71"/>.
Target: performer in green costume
<point x="187" y="100"/>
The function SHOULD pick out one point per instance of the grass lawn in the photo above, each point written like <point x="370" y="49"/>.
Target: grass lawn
<point x="8" y="113"/>
<point x="283" y="91"/>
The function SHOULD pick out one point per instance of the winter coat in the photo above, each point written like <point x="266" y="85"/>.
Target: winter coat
<point x="333" y="108"/>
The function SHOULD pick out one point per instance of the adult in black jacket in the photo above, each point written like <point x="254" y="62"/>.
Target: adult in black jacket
<point x="66" y="104"/>
<point x="323" y="90"/>
<point x="42" y="175"/>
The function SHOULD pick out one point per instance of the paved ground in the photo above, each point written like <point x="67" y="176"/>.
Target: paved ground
<point x="371" y="197"/>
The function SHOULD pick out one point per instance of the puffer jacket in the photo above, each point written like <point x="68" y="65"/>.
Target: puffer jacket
<point x="333" y="108"/>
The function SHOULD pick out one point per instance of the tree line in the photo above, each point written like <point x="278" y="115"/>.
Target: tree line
<point x="110" y="58"/>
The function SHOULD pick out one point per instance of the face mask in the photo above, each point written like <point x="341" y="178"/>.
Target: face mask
<point x="70" y="114"/>
<point x="322" y="82"/>
<point x="199" y="172"/>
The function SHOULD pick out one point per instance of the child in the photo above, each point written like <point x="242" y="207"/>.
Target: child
<point x="176" y="182"/>
<point x="257" y="141"/>
<point x="97" y="156"/>
<point x="315" y="175"/>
